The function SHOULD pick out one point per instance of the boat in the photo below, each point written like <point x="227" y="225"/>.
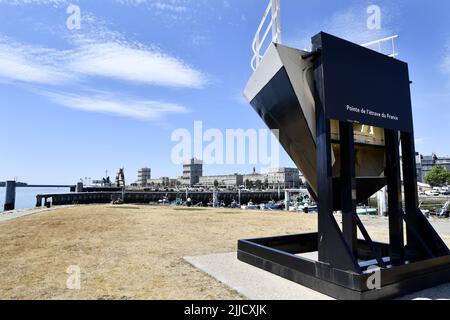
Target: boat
<point x="271" y="205"/>
<point x="234" y="205"/>
<point x="250" y="206"/>
<point x="367" y="211"/>
<point x="444" y="211"/>
<point x="164" y="201"/>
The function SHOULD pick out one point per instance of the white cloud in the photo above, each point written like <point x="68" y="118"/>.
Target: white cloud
<point x="172" y="6"/>
<point x="239" y="99"/>
<point x="93" y="53"/>
<point x="29" y="64"/>
<point x="109" y="104"/>
<point x="352" y="25"/>
<point x="35" y="2"/>
<point x="446" y="63"/>
<point x="349" y="24"/>
<point x="139" y="64"/>
<point x="114" y="59"/>
<point x="131" y="2"/>
<point x="159" y="5"/>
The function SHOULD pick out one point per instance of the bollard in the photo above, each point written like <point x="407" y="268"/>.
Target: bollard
<point x="79" y="187"/>
<point x="287" y="200"/>
<point x="382" y="202"/>
<point x="38" y="201"/>
<point x="10" y="201"/>
<point x="48" y="202"/>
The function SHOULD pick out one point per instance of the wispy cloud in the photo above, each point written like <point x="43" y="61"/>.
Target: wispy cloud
<point x="446" y="62"/>
<point x="90" y="57"/>
<point x="349" y="24"/>
<point x="93" y="53"/>
<point x="133" y="63"/>
<point x="30" y="64"/>
<point x="116" y="105"/>
<point x="171" y="6"/>
<point x="35" y="2"/>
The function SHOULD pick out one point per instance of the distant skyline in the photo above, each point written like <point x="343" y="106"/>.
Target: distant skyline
<point x="108" y="95"/>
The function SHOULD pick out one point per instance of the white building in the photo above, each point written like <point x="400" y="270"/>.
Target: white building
<point x="192" y="171"/>
<point x="231" y="180"/>
<point x="284" y="178"/>
<point x="144" y="175"/>
<point x="161" y="182"/>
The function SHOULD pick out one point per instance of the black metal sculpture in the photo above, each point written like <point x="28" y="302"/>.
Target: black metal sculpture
<point x="355" y="85"/>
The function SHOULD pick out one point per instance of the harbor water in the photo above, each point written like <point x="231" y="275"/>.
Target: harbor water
<point x="26" y="197"/>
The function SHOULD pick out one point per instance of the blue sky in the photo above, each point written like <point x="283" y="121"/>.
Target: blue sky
<point x="77" y="102"/>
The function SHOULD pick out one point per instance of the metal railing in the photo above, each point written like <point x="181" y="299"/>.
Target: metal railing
<point x="378" y="45"/>
<point x="273" y="9"/>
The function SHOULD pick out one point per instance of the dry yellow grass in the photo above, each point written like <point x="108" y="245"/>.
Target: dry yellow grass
<point x="128" y="252"/>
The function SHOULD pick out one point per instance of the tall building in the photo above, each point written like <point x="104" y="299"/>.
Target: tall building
<point x="144" y="176"/>
<point x="192" y="171"/>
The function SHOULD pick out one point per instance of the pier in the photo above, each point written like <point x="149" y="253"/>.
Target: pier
<point x="46" y="186"/>
<point x="198" y="198"/>
<point x="11" y="186"/>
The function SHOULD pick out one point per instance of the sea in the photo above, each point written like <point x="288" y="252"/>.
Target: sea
<point x="26" y="197"/>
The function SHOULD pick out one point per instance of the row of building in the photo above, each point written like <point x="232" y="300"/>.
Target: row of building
<point x="279" y="177"/>
<point x="193" y="177"/>
<point x="425" y="164"/>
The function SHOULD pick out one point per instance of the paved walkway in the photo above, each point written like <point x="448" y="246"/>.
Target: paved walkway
<point x="15" y="214"/>
<point x="257" y="284"/>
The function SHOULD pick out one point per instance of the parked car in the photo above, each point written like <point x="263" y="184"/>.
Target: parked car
<point x="432" y="193"/>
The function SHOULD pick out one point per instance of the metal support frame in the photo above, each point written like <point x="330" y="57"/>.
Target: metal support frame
<point x="394" y="186"/>
<point x="348" y="180"/>
<point x="342" y="269"/>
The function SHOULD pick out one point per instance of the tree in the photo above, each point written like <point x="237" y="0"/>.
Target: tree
<point x="258" y="184"/>
<point x="438" y="177"/>
<point x="216" y="184"/>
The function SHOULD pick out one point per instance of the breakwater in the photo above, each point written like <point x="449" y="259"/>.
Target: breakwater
<point x="153" y="197"/>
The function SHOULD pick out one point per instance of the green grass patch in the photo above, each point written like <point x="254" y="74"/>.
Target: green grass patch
<point x="190" y="209"/>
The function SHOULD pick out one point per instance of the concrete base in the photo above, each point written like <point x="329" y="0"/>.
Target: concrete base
<point x="256" y="284"/>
